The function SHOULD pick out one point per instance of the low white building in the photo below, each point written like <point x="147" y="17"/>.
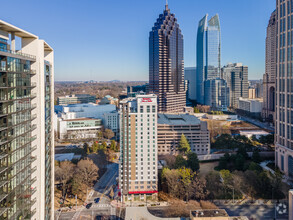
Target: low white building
<point x="111" y="121"/>
<point x="83" y="111"/>
<point x="81" y="128"/>
<point x="250" y="133"/>
<point x="250" y="105"/>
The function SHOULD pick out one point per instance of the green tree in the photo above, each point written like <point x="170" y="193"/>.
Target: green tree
<point x="256" y="156"/>
<point x="196" y="110"/>
<point x="103" y="146"/>
<point x="184" y="145"/>
<point x="180" y="162"/>
<point x="192" y="161"/>
<point x="239" y="162"/>
<point x="95" y="147"/>
<point x="255" y="167"/>
<point x="113" y="146"/>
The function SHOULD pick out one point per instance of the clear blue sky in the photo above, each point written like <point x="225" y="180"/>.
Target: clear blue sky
<point x="108" y="39"/>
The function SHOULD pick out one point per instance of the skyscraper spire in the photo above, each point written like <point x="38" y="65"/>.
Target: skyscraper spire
<point x="166" y="7"/>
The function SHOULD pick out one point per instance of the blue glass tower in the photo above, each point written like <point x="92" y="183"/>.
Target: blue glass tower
<point x="208" y="53"/>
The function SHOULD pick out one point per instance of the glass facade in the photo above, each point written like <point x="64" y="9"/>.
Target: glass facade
<point x="48" y="139"/>
<point x="166" y="67"/>
<point x="16" y="137"/>
<point x="208" y="53"/>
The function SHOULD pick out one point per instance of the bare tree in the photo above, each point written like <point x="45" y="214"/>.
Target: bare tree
<point x="87" y="172"/>
<point x="64" y="173"/>
<point x="108" y="133"/>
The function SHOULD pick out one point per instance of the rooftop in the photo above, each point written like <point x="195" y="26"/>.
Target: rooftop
<point x="178" y="119"/>
<point x="82" y="119"/>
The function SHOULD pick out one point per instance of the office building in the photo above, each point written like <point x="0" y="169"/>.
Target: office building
<point x="291" y="204"/>
<point x="250" y="107"/>
<point x="26" y="134"/>
<point x="80" y="128"/>
<point x="76" y="99"/>
<point x="208" y="53"/>
<point x="284" y="90"/>
<point x="138" y="177"/>
<point x="166" y="64"/>
<point x="111" y="121"/>
<point x="190" y="76"/>
<point x="236" y="76"/>
<point x="251" y="93"/>
<point x="171" y="127"/>
<point x="269" y="78"/>
<point x="83" y="111"/>
<point x="216" y="94"/>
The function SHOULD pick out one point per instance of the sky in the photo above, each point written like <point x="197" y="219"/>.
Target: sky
<point x="108" y="39"/>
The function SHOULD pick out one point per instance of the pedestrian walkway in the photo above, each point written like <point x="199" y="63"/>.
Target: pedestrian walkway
<point x="133" y="213"/>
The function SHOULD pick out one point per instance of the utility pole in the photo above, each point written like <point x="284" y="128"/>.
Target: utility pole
<point x="233" y="195"/>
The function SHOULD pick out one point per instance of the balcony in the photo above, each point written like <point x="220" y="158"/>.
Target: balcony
<point x="2" y="183"/>
<point x="3" y="210"/>
<point x="11" y="99"/>
<point x="17" y="53"/>
<point x="3" y="196"/>
<point x="3" y="155"/>
<point x="17" y="70"/>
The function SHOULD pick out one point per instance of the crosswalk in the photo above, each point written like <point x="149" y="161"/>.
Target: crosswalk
<point x="101" y="206"/>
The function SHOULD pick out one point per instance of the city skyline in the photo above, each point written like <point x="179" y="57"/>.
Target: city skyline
<point x="134" y="64"/>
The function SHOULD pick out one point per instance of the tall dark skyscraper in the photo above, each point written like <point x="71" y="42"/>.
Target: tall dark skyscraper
<point x="208" y="53"/>
<point x="269" y="78"/>
<point x="166" y="67"/>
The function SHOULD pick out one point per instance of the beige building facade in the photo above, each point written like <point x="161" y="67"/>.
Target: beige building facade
<point x="171" y="128"/>
<point x="138" y="148"/>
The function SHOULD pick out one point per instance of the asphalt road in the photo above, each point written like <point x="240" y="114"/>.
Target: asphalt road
<point x="101" y="190"/>
<point x="259" y="212"/>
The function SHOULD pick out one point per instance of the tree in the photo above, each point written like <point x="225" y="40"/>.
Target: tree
<point x="180" y="162"/>
<point x="111" y="194"/>
<point x="172" y="178"/>
<point x="87" y="172"/>
<point x="113" y="146"/>
<point x="277" y="185"/>
<point x="64" y="173"/>
<point x="103" y="146"/>
<point x="192" y="161"/>
<point x="213" y="183"/>
<point x="108" y="133"/>
<point x="86" y="147"/>
<point x="95" y="147"/>
<point x="256" y="156"/>
<point x="184" y="145"/>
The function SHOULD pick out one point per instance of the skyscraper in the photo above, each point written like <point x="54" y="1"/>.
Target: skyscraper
<point x="208" y="53"/>
<point x="26" y="132"/>
<point x="284" y="88"/>
<point x="138" y="147"/>
<point x="217" y="94"/>
<point x="269" y="78"/>
<point x="190" y="75"/>
<point x="166" y="64"/>
<point x="236" y="76"/>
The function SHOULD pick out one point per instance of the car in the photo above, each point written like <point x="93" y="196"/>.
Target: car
<point x="97" y="200"/>
<point x="88" y="206"/>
